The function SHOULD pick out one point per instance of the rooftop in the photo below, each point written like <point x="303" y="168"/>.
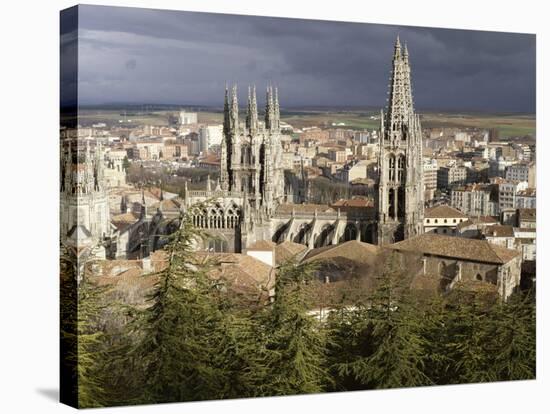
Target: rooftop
<point x="353" y="250"/>
<point x="499" y="231"/>
<point x="287" y="250"/>
<point x="456" y="247"/>
<point x="262" y="245"/>
<point x="354" y="202"/>
<point x="443" y="212"/>
<point x="305" y="208"/>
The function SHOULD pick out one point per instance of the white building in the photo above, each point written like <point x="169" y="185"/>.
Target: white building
<point x="443" y="220"/>
<point x="508" y="192"/>
<point x="115" y="175"/>
<point x="522" y="172"/>
<point x="359" y="170"/>
<point x="430" y="177"/>
<point x="210" y="135"/>
<point x="474" y="200"/>
<point x="526" y="198"/>
<point x="187" y="118"/>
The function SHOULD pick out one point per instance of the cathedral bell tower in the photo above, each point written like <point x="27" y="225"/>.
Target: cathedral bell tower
<point x="400" y="175"/>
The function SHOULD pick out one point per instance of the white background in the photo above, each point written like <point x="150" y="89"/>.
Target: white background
<point x="29" y="68"/>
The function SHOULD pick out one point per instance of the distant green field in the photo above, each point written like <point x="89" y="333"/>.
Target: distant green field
<point x="113" y="117"/>
<point x="508" y="125"/>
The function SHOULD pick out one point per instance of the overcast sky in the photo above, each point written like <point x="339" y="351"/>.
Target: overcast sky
<point x="155" y="56"/>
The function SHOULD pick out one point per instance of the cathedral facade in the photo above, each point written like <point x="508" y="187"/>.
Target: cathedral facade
<point x="251" y="184"/>
<point x="85" y="224"/>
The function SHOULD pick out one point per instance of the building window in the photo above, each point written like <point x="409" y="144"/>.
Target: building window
<point x="427" y="220"/>
<point x="479" y="277"/>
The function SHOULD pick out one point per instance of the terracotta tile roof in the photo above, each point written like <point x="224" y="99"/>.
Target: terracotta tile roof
<point x="353" y="250"/>
<point x="529" y="214"/>
<point x="124" y="220"/>
<point x="443" y="212"/>
<point x="287" y="250"/>
<point x="241" y="270"/>
<point x="480" y="221"/>
<point x="125" y="277"/>
<point x="456" y="247"/>
<point x="354" y="202"/>
<point x="305" y="208"/>
<point x="246" y="274"/>
<point x="263" y="245"/>
<point x="168" y="205"/>
<point x="498" y="231"/>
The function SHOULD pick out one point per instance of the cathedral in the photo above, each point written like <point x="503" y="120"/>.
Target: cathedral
<point x="251" y="184"/>
<point x="84" y="201"/>
<point x="400" y="174"/>
<point x="249" y="200"/>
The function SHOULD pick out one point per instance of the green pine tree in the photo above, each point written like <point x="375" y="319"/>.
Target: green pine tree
<point x="512" y="331"/>
<point x="177" y="333"/>
<point x="294" y="339"/>
<point x="387" y="342"/>
<point x="82" y="337"/>
<point x="438" y="363"/>
<point x="468" y="339"/>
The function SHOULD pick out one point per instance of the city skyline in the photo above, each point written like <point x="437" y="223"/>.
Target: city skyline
<point x="143" y="56"/>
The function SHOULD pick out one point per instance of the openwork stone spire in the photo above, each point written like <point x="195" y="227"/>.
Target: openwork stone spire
<point x="400" y="105"/>
<point x="269" y="109"/>
<point x="400" y="179"/>
<point x="276" y="114"/>
<point x="226" y="120"/>
<point x="252" y="114"/>
<point x="234" y="113"/>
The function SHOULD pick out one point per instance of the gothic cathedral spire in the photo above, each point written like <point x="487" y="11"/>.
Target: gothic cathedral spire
<point x="269" y="109"/>
<point x="252" y="114"/>
<point x="400" y="174"/>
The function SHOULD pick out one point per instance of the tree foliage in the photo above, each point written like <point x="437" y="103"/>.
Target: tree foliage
<point x="385" y="335"/>
<point x="196" y="340"/>
<point x="295" y="342"/>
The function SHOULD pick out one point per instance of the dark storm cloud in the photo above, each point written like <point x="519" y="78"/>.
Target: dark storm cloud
<point x="130" y="64"/>
<point x="187" y="58"/>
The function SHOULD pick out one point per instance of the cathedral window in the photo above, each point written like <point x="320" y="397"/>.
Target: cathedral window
<point x="401" y="202"/>
<point x="401" y="168"/>
<point x="391" y="203"/>
<point x="391" y="168"/>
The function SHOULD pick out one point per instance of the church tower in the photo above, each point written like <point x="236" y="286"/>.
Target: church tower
<point x="400" y="189"/>
<point x="251" y="153"/>
<point x="84" y="201"/>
